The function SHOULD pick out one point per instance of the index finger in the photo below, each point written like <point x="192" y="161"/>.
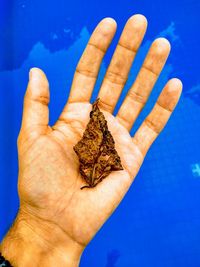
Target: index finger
<point x="88" y="67"/>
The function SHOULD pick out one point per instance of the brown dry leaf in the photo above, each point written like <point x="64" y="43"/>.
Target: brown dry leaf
<point x="96" y="150"/>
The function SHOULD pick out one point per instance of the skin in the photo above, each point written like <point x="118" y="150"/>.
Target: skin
<point x="56" y="220"/>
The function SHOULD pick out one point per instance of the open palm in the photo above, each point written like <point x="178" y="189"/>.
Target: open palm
<point x="49" y="178"/>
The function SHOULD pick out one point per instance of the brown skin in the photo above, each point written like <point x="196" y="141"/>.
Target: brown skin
<point x="56" y="219"/>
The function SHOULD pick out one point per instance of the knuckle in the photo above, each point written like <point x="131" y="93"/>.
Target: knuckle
<point x="153" y="125"/>
<point x="115" y="78"/>
<point x="137" y="97"/>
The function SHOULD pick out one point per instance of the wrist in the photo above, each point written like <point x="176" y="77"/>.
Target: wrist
<point x="33" y="242"/>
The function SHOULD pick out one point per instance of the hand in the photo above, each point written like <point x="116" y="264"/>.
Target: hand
<point x="54" y="212"/>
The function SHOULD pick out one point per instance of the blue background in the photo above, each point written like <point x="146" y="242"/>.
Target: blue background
<point x="158" y="222"/>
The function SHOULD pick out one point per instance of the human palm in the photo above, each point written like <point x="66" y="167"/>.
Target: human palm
<point x="51" y="183"/>
<point x="49" y="177"/>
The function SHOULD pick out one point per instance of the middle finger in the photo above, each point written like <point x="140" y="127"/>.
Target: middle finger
<point x="118" y="70"/>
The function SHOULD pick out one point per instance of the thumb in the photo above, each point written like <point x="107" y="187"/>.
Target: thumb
<point x="36" y="112"/>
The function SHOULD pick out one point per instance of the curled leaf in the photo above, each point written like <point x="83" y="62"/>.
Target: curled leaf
<point x="96" y="150"/>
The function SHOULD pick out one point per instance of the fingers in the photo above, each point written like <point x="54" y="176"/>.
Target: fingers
<point x="121" y="62"/>
<point x="144" y="83"/>
<point x="89" y="64"/>
<point x="36" y="112"/>
<point x="157" y="119"/>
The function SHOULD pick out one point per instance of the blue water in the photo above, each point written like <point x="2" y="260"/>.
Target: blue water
<point x="158" y="222"/>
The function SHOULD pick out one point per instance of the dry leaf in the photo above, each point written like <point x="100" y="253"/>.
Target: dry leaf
<point x="96" y="150"/>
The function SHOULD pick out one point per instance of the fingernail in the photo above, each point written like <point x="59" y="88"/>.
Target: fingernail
<point x="31" y="74"/>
